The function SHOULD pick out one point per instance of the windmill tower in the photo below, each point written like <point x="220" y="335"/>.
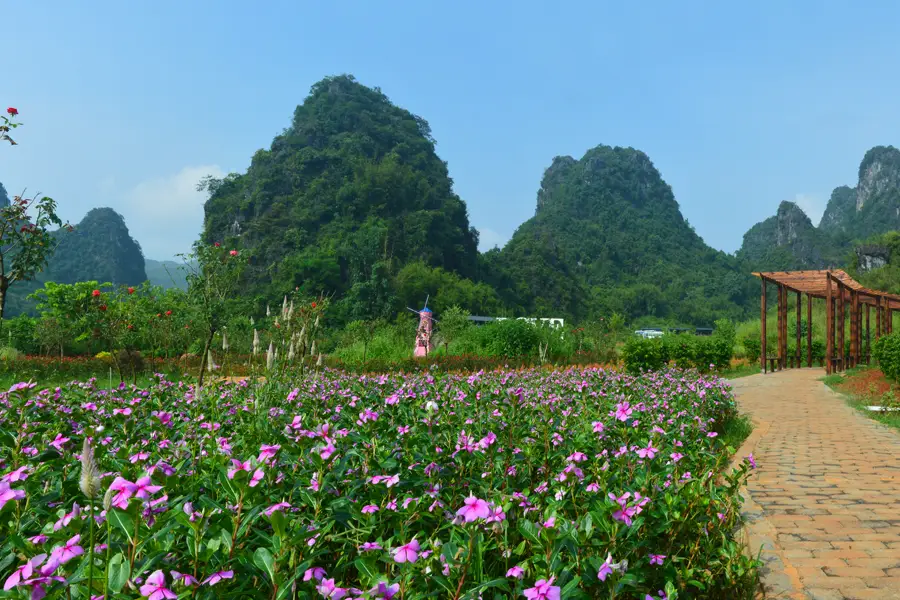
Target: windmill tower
<point x="423" y="345"/>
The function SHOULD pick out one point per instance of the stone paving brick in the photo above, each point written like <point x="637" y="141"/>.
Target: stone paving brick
<point x="827" y="489"/>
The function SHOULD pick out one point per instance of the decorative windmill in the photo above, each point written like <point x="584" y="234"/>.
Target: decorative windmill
<point x="423" y="332"/>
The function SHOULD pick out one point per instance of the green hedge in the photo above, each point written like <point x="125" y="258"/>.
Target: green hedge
<point x="687" y="351"/>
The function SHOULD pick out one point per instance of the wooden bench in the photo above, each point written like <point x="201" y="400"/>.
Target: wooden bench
<point x="773" y="363"/>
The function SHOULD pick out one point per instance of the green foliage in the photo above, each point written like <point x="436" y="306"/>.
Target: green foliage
<point x="644" y="354"/>
<point x="512" y="338"/>
<point x="354" y="181"/>
<point x="752" y="347"/>
<point x="453" y="325"/>
<point x="608" y="236"/>
<point x="886" y="351"/>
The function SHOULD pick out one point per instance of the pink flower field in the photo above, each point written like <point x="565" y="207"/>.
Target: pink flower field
<point x="535" y="484"/>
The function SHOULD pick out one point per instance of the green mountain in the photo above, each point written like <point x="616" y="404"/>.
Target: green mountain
<point x="349" y="193"/>
<point x="166" y="273"/>
<point x="98" y="248"/>
<point x="789" y="241"/>
<point x="607" y="236"/>
<point x="853" y="215"/>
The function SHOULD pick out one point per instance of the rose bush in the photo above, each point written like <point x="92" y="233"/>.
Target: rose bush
<point x="581" y="483"/>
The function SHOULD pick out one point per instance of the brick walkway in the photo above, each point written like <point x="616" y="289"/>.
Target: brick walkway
<point x="825" y="501"/>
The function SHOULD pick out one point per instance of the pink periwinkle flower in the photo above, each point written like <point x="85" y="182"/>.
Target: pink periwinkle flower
<point x="517" y="572"/>
<point x="328" y="589"/>
<point x="474" y="509"/>
<point x="7" y="493"/>
<point x="543" y="590"/>
<point x="217" y="577"/>
<point x="408" y="552"/>
<point x="155" y="587"/>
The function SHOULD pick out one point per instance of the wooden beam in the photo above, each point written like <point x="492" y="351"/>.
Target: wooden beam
<point x="762" y="326"/>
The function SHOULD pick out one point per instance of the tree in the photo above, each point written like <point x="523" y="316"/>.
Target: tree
<point x="26" y="242"/>
<point x="454" y="322"/>
<point x="213" y="280"/>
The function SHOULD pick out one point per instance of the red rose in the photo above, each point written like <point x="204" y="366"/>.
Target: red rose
<point x="95" y="293"/>
<point x="131" y="290"/>
<point x="313" y="304"/>
<point x="159" y="315"/>
<point x="233" y="253"/>
<point x="102" y="307"/>
<point x="12" y="111"/>
<point x="168" y="313"/>
<point x="131" y="327"/>
<point x="217" y="244"/>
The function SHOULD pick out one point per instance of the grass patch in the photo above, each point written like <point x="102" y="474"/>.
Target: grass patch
<point x="737" y="431"/>
<point x="741" y="370"/>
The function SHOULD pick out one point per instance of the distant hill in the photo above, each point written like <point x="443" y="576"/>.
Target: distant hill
<point x="608" y="235"/>
<point x="853" y="215"/>
<point x="166" y="273"/>
<point x="99" y="248"/>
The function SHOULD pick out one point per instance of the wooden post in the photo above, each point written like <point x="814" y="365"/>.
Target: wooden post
<point x="868" y="336"/>
<point x="799" y="318"/>
<point x="829" y="324"/>
<point x="851" y="354"/>
<point x="878" y="317"/>
<point x="762" y="326"/>
<point x="782" y="342"/>
<point x="840" y="311"/>
<point x="808" y="330"/>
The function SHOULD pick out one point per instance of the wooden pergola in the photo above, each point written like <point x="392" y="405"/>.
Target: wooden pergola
<point x="844" y="299"/>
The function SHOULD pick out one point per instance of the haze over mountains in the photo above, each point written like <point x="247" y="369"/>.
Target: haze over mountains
<point x="352" y="200"/>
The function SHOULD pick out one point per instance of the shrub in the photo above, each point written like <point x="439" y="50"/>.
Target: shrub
<point x="752" y="347"/>
<point x="644" y="354"/>
<point x="887" y="352"/>
<point x="512" y="338"/>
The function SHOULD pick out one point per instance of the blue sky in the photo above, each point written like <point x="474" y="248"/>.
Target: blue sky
<point x="739" y="105"/>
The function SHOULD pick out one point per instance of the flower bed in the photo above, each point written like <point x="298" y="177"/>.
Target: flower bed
<point x="548" y="484"/>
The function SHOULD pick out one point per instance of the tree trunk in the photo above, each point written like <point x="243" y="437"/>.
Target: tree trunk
<point x="4" y="287"/>
<point x="206" y="346"/>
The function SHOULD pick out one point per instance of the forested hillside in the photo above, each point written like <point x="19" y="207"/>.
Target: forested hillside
<point x="608" y="236"/>
<point x="350" y="193"/>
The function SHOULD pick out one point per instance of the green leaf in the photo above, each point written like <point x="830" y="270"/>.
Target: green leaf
<point x="365" y="568"/>
<point x="119" y="572"/>
<point x="530" y="531"/>
<point x="263" y="559"/>
<point x="122" y="521"/>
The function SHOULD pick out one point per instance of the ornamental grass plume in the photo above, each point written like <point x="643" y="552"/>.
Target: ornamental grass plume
<point x="90" y="474"/>
<point x="255" y="342"/>
<point x="270" y="357"/>
<point x="225" y="345"/>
